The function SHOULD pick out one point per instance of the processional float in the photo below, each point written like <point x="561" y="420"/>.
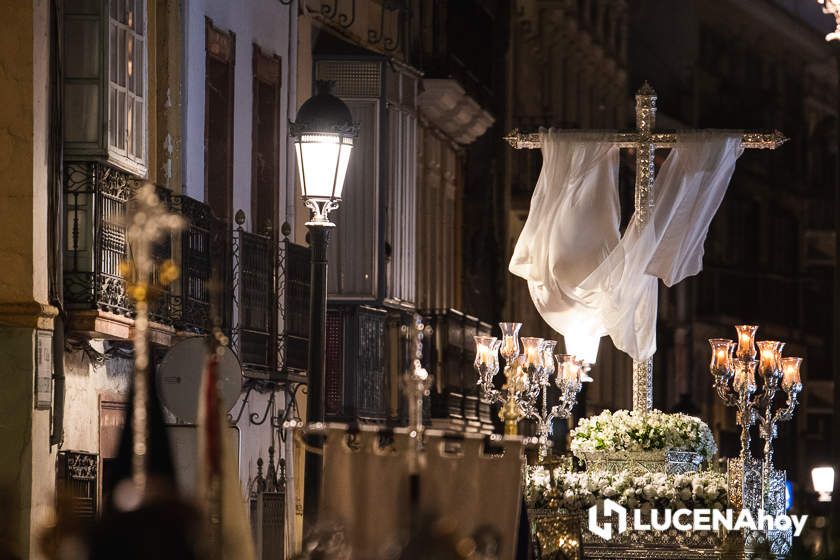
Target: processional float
<point x="752" y="484"/>
<point x="413" y="491"/>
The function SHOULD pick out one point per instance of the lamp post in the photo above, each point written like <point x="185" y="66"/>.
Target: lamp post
<point x="323" y="136"/>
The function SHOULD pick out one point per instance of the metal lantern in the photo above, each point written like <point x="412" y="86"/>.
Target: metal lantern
<point x="323" y="135"/>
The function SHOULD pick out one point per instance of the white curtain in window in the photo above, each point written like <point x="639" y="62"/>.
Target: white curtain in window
<point x="586" y="280"/>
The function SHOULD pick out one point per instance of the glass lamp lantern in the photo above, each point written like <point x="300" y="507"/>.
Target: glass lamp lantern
<point x="722" y="366"/>
<point x="790" y="373"/>
<point x="746" y="342"/>
<point x="770" y="356"/>
<point x="323" y="135"/>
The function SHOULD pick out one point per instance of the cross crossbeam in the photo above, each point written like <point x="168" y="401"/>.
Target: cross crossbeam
<point x="645" y="141"/>
<point x="666" y="139"/>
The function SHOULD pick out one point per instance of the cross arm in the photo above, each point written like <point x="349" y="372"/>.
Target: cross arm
<point x="749" y="139"/>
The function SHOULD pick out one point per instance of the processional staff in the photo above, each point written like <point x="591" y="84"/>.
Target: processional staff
<point x="645" y="141"/>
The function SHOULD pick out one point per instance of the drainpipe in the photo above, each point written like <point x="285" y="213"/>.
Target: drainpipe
<point x="57" y="429"/>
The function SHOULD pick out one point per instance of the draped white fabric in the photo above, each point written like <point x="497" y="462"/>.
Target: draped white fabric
<point x="585" y="279"/>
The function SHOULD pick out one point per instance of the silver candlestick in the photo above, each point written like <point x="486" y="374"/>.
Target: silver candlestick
<point x="528" y="378"/>
<point x="735" y="382"/>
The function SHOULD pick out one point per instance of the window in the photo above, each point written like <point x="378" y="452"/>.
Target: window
<point x="355" y="254"/>
<point x="104" y="82"/>
<point x="265" y="145"/>
<point x="376" y="233"/>
<point x="218" y="122"/>
<point x="218" y="156"/>
<point x="402" y="189"/>
<point x="126" y="79"/>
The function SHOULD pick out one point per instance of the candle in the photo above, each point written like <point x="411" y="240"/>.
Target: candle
<point x="485" y="349"/>
<point x="769" y="355"/>
<point x="510" y="342"/>
<point x="532" y="351"/>
<point x="790" y="372"/>
<point x="568" y="368"/>
<point x="746" y="336"/>
<point x="721" y="364"/>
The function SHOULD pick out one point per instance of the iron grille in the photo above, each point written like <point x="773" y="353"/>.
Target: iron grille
<point x="77" y="484"/>
<point x="95" y="238"/>
<point x="356" y="384"/>
<point x="293" y="272"/>
<point x="271" y="288"/>
<point x="95" y="243"/>
<point x="334" y="378"/>
<point x="191" y="305"/>
<point x="254" y="283"/>
<point x="353" y="78"/>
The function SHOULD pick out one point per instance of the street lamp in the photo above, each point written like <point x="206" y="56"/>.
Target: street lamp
<point x="823" y="479"/>
<point x="323" y="136"/>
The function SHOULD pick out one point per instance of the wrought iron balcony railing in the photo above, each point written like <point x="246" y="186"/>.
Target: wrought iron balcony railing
<point x="271" y="300"/>
<point x="357" y="383"/>
<point x="191" y="305"/>
<point x="255" y="287"/>
<point x="96" y="198"/>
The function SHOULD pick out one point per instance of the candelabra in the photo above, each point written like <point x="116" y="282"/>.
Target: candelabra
<point x="735" y="382"/>
<point x="528" y="377"/>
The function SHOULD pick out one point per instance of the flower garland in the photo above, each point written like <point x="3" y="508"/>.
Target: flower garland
<point x="642" y="431"/>
<point x="579" y="491"/>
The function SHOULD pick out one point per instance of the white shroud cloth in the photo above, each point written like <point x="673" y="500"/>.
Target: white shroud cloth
<point x="586" y="280"/>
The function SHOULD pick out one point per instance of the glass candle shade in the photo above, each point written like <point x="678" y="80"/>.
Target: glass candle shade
<point x="568" y="370"/>
<point x="721" y="364"/>
<point x="790" y="372"/>
<point x="532" y="351"/>
<point x="769" y="356"/>
<point x="485" y="356"/>
<point x="746" y="342"/>
<point x="744" y="375"/>
<point x="510" y="340"/>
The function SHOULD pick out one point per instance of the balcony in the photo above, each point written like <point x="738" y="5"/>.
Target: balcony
<point x="456" y="401"/>
<point x="255" y="286"/>
<point x="271" y="300"/>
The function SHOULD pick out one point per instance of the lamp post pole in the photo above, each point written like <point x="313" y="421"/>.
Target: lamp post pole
<point x="319" y="235"/>
<point x="323" y="136"/>
<point x="834" y="525"/>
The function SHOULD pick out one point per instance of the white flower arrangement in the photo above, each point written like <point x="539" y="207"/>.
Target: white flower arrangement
<point x="642" y="431"/>
<point x="579" y="491"/>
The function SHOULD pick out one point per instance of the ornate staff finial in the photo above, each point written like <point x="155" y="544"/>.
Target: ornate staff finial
<point x="147" y="223"/>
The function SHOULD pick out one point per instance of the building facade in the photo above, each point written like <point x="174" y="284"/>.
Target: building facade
<point x="195" y="98"/>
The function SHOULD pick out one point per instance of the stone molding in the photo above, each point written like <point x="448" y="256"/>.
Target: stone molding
<point x="30" y="314"/>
